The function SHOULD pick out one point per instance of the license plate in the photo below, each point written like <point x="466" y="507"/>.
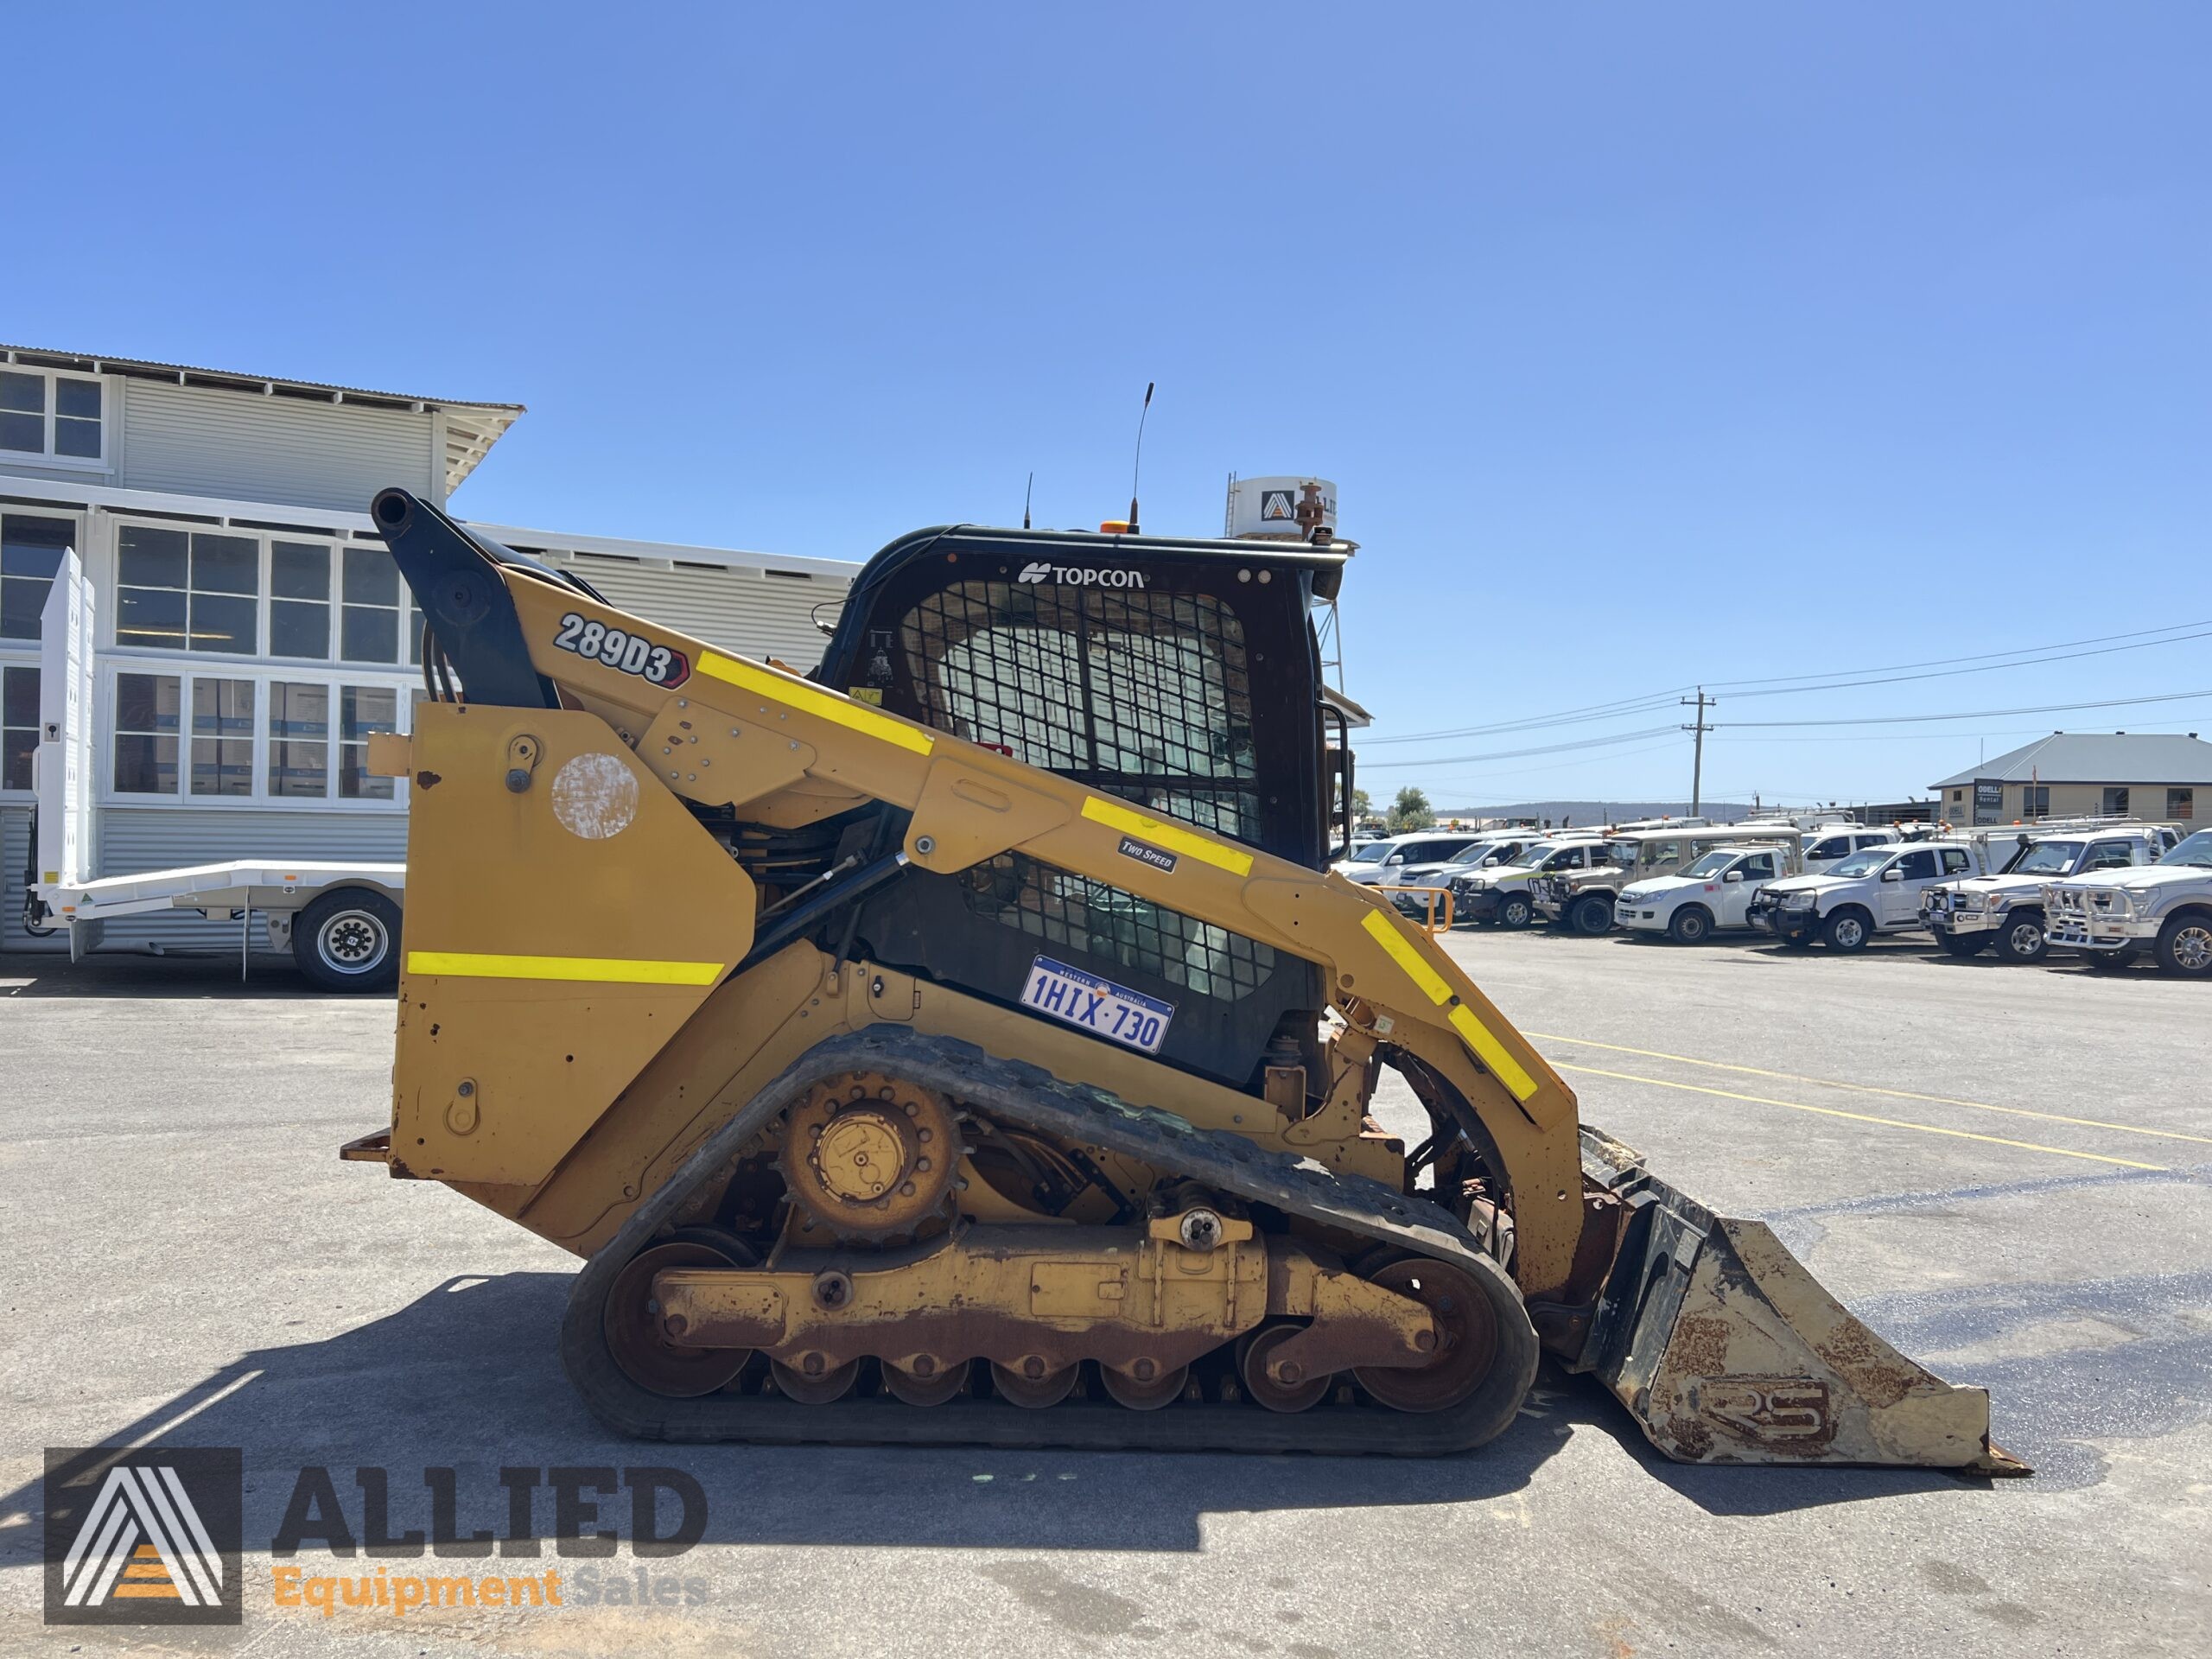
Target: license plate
<point x="1097" y="1005"/>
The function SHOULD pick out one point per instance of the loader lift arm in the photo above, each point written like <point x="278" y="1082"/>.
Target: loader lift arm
<point x="1718" y="1341"/>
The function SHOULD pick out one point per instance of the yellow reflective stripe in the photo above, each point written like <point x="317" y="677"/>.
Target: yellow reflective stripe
<point x="828" y="705"/>
<point x="615" y="970"/>
<point x="1402" y="952"/>
<point x="1171" y="836"/>
<point x="1494" y="1055"/>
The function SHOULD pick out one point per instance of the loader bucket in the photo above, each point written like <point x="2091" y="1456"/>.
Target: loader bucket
<point x="1726" y="1349"/>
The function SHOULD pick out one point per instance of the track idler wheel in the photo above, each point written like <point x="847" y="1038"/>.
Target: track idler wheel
<point x="640" y="1345"/>
<point x="1029" y="1383"/>
<point x="1467" y="1332"/>
<point x="1147" y="1392"/>
<point x="1255" y="1353"/>
<point x="925" y="1380"/>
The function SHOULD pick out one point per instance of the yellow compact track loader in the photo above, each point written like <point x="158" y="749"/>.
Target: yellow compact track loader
<point x="967" y="1044"/>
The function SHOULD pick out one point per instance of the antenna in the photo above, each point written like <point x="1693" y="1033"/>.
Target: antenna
<point x="1138" y="466"/>
<point x="1026" y="491"/>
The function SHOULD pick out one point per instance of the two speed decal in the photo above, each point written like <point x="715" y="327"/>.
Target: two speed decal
<point x="1095" y="1005"/>
<point x="631" y="653"/>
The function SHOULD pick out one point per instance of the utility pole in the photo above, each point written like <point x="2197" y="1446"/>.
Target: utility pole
<point x="1700" y="702"/>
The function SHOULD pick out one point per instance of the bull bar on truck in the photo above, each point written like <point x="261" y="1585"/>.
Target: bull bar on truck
<point x="2093" y="919"/>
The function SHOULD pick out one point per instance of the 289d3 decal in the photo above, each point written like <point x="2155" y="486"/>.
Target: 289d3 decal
<point x="633" y="653"/>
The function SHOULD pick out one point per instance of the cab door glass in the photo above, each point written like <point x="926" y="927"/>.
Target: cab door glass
<point x="1921" y="866"/>
<point x="2110" y="855"/>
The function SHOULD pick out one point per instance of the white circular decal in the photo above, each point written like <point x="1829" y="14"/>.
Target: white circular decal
<point x="595" y="795"/>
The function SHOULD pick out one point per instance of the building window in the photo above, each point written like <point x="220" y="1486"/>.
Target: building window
<point x="30" y="554"/>
<point x="189" y="591"/>
<point x="299" y="601"/>
<point x="53" y="415"/>
<point x="2035" y="801"/>
<point x="369" y="622"/>
<point x="2181" y="803"/>
<point x="299" y="741"/>
<point x="263" y="738"/>
<point x="18" y="726"/>
<point x="146" y="710"/>
<point x="2115" y="803"/>
<point x="362" y="710"/>
<point x="222" y="737"/>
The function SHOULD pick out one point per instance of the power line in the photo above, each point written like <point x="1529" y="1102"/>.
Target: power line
<point x="1515" y="754"/>
<point x="1944" y="662"/>
<point x="1974" y="714"/>
<point x="1834" y="679"/>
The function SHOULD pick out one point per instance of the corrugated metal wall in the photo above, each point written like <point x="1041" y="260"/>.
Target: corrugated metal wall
<point x="15" y="847"/>
<point x="744" y="611"/>
<point x="204" y="441"/>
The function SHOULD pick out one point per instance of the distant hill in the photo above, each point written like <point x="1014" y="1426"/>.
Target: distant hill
<point x="1587" y="814"/>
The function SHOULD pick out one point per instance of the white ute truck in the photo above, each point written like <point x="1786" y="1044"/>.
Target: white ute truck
<point x="1713" y="893"/>
<point x="1877" y="891"/>
<point x="2113" y="916"/>
<point x="2005" y="909"/>
<point x="341" y="921"/>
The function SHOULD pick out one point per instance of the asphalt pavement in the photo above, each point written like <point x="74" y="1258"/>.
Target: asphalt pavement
<point x="2007" y="1171"/>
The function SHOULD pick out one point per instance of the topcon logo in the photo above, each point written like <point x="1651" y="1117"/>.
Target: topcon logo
<point x="143" y="1538"/>
<point x="1069" y="576"/>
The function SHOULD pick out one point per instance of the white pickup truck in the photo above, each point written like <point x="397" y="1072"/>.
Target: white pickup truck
<point x="2006" y="908"/>
<point x="1877" y="891"/>
<point x="1714" y="891"/>
<point x="1828" y="847"/>
<point x="2113" y="916"/>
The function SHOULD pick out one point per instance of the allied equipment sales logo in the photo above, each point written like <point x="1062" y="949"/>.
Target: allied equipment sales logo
<point x="1070" y="575"/>
<point x="148" y="1537"/>
<point x="153" y="1537"/>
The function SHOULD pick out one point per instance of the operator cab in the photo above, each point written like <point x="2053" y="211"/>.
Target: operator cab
<point x="1182" y="677"/>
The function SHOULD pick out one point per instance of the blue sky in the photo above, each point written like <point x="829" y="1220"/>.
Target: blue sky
<point x="1647" y="346"/>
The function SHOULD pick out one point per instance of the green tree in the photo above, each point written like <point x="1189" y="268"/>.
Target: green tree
<point x="1362" y="808"/>
<point x="1410" y="811"/>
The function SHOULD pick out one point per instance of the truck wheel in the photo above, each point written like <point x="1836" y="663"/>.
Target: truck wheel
<point x="1847" y="930"/>
<point x="2185" y="944"/>
<point x="1515" y="910"/>
<point x="1691" y="925"/>
<point x="1592" y="914"/>
<point x="2021" y="938"/>
<point x="1963" y="944"/>
<point x="349" y="941"/>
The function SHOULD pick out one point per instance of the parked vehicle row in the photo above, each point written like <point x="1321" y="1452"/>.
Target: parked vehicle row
<point x="2113" y="890"/>
<point x="2007" y="909"/>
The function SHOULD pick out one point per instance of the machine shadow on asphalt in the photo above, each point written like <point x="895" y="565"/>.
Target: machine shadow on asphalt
<point x="433" y="1383"/>
<point x="121" y="975"/>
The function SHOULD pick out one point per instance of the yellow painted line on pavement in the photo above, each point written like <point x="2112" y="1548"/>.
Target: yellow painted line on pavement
<point x="1860" y="1117"/>
<point x="1871" y="1089"/>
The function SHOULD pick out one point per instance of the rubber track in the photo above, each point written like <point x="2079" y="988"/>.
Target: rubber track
<point x="1016" y="1092"/>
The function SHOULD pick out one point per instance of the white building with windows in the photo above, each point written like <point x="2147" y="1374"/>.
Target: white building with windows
<point x="252" y="630"/>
